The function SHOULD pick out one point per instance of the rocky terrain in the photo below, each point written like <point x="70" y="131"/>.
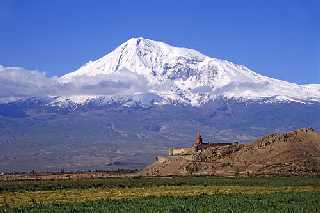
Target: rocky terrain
<point x="295" y="153"/>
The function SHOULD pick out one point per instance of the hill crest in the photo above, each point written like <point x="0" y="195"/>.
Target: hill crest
<point x="294" y="153"/>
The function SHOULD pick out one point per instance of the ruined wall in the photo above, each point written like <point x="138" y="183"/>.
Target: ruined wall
<point x="181" y="151"/>
<point x="162" y="159"/>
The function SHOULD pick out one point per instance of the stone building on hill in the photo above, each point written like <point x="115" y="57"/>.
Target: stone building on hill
<point x="198" y="146"/>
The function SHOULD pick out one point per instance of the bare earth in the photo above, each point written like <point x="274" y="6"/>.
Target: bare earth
<point x="294" y="153"/>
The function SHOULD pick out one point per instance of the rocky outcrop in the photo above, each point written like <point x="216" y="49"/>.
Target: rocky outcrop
<point x="295" y="153"/>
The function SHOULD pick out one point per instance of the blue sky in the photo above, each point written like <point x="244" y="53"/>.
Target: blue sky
<point x="277" y="38"/>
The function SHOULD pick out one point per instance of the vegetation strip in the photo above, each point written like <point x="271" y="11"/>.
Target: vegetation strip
<point x="84" y="195"/>
<point x="257" y="203"/>
<point x="138" y="182"/>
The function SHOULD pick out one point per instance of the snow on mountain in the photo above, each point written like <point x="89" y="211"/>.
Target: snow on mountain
<point x="148" y="72"/>
<point x="181" y="75"/>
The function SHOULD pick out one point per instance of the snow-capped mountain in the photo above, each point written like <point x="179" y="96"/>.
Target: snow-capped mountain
<point x="132" y="104"/>
<point x="155" y="71"/>
<point x="143" y="71"/>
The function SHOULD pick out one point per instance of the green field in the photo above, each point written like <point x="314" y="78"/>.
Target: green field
<point x="171" y="194"/>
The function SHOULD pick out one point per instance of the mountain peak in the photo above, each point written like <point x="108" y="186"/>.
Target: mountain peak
<point x="136" y="40"/>
<point x="185" y="75"/>
<point x="158" y="47"/>
<point x="139" y="55"/>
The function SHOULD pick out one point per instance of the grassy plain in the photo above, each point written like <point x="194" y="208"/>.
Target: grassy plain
<point x="170" y="194"/>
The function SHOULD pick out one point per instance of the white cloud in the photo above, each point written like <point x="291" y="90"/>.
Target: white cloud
<point x="119" y="83"/>
<point x="19" y="82"/>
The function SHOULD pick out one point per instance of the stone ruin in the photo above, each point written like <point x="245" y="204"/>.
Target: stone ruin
<point x="198" y="146"/>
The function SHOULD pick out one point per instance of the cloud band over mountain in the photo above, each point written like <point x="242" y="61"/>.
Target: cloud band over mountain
<point x="20" y="82"/>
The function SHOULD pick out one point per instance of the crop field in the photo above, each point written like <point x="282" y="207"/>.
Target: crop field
<point x="166" y="194"/>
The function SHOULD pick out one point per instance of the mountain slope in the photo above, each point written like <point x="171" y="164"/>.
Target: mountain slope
<point x="38" y="135"/>
<point x="187" y="76"/>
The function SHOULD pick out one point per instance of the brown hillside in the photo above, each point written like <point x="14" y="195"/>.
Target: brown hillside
<point x="293" y="153"/>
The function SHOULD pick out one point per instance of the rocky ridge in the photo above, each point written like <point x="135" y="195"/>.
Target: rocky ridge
<point x="294" y="153"/>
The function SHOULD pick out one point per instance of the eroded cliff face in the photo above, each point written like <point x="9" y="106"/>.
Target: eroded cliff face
<point x="295" y="153"/>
